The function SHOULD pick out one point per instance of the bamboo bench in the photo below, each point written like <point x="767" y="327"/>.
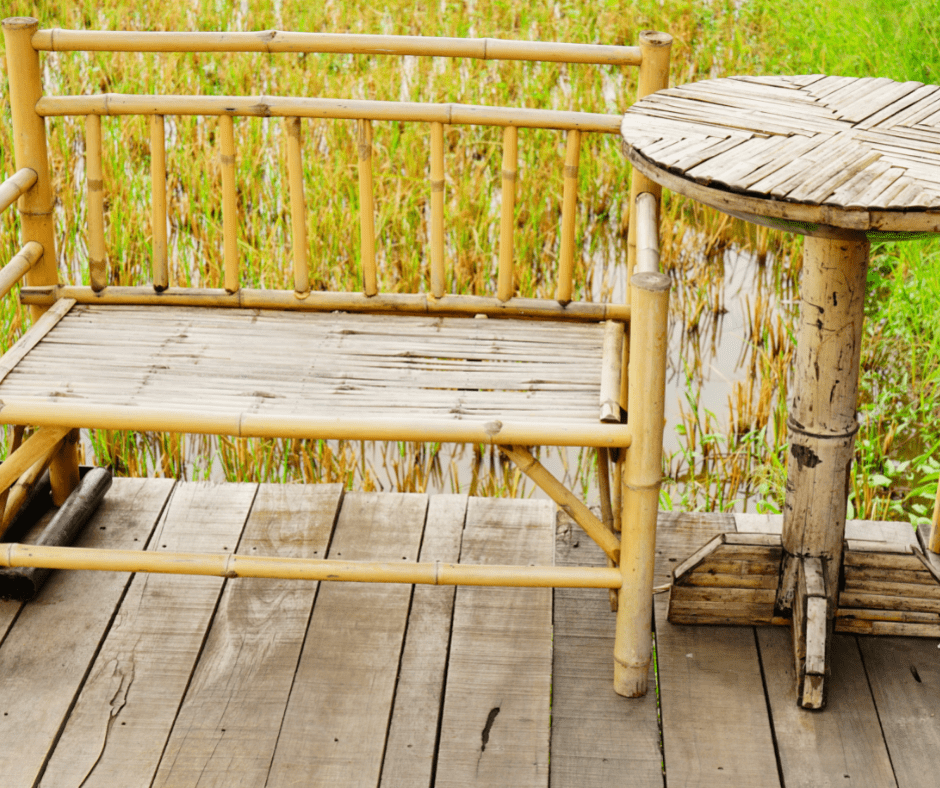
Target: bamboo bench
<point x="366" y="365"/>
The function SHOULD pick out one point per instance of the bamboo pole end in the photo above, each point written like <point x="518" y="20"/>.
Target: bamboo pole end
<point x="20" y="23"/>
<point x="655" y="38"/>
<point x="630" y="681"/>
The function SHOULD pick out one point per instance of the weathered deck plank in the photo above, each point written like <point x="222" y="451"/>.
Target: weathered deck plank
<point x="904" y="674"/>
<point x="227" y="728"/>
<point x="337" y="716"/>
<point x="47" y="654"/>
<point x="599" y="739"/>
<point x="716" y="729"/>
<point x="495" y="726"/>
<point x="412" y="734"/>
<point x="842" y="745"/>
<point x="122" y="719"/>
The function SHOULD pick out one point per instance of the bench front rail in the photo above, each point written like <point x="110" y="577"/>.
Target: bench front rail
<point x="364" y="365"/>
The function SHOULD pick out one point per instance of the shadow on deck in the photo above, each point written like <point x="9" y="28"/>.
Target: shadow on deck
<point x="152" y="680"/>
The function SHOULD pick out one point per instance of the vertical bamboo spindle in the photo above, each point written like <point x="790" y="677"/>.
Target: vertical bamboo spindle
<point x="437" y="210"/>
<point x="607" y="513"/>
<point x="505" y="285"/>
<point x="569" y="208"/>
<point x="97" y="266"/>
<point x="15" y="443"/>
<point x="642" y="475"/>
<point x="654" y="75"/>
<point x="161" y="278"/>
<point x="934" y="544"/>
<point x="29" y="145"/>
<point x="367" y="208"/>
<point x="229" y="213"/>
<point x="298" y="206"/>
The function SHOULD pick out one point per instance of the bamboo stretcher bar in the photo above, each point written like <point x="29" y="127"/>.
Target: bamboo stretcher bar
<point x="437" y="209"/>
<point x="647" y="233"/>
<point x="352" y="109"/>
<point x="231" y="566"/>
<point x="229" y="212"/>
<point x="298" y="206"/>
<point x="248" y="424"/>
<point x="611" y="371"/>
<point x="158" y="202"/>
<point x="568" y="209"/>
<point x="36" y="447"/>
<point x="97" y="265"/>
<point x="17" y="184"/>
<point x="58" y="40"/>
<point x="401" y="303"/>
<point x="18" y="267"/>
<point x="505" y="284"/>
<point x="565" y="499"/>
<point x="366" y="209"/>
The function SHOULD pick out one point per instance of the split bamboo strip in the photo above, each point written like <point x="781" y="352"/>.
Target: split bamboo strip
<point x="351" y="109"/>
<point x="247" y="424"/>
<point x="19" y="266"/>
<point x="29" y="144"/>
<point x="36" y="447"/>
<point x="654" y="76"/>
<point x="617" y="486"/>
<point x="298" y="206"/>
<point x="565" y="499"/>
<point x="647" y="233"/>
<point x="506" y="284"/>
<point x="14" y="186"/>
<point x="232" y="565"/>
<point x="437" y="210"/>
<point x="642" y="476"/>
<point x="607" y="513"/>
<point x="58" y="40"/>
<point x="934" y="543"/>
<point x="400" y="303"/>
<point x="161" y="277"/>
<point x="611" y="371"/>
<point x="367" y="209"/>
<point x="97" y="264"/>
<point x="229" y="211"/>
<point x="20" y="492"/>
<point x="15" y="443"/>
<point x="568" y="210"/>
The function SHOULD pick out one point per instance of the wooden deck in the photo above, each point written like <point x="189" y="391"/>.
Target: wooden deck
<point x="119" y="681"/>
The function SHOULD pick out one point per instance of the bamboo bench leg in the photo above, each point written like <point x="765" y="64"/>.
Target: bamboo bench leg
<point x="641" y="478"/>
<point x="63" y="471"/>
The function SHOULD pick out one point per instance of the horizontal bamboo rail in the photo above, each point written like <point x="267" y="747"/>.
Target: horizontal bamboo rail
<point x="57" y="412"/>
<point x="14" y="186"/>
<point x="565" y="499"/>
<point x="321" y="301"/>
<point x="18" y="266"/>
<point x="229" y="565"/>
<point x="270" y="41"/>
<point x="352" y="109"/>
<point x="647" y="234"/>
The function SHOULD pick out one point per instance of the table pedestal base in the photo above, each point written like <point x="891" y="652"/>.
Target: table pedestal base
<point x="882" y="589"/>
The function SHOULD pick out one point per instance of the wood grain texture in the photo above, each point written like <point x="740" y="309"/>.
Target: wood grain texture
<point x="419" y="696"/>
<point x="904" y="674"/>
<point x="599" y="739"/>
<point x="122" y="719"/>
<point x="495" y="726"/>
<point x="827" y="146"/>
<point x="716" y="727"/>
<point x="338" y="713"/>
<point x="227" y="728"/>
<point x="46" y="656"/>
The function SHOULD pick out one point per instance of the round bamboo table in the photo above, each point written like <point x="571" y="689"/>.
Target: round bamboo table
<point x="840" y="160"/>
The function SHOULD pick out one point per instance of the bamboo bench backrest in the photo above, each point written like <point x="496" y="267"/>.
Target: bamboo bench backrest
<point x="30" y="107"/>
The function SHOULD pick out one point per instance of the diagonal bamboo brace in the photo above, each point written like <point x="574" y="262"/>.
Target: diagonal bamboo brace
<point x="38" y="446"/>
<point x="561" y="495"/>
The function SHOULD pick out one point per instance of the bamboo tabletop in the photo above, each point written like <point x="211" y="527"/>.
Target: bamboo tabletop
<point x="797" y="152"/>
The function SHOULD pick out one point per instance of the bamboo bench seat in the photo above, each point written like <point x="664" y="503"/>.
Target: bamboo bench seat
<point x="225" y="357"/>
